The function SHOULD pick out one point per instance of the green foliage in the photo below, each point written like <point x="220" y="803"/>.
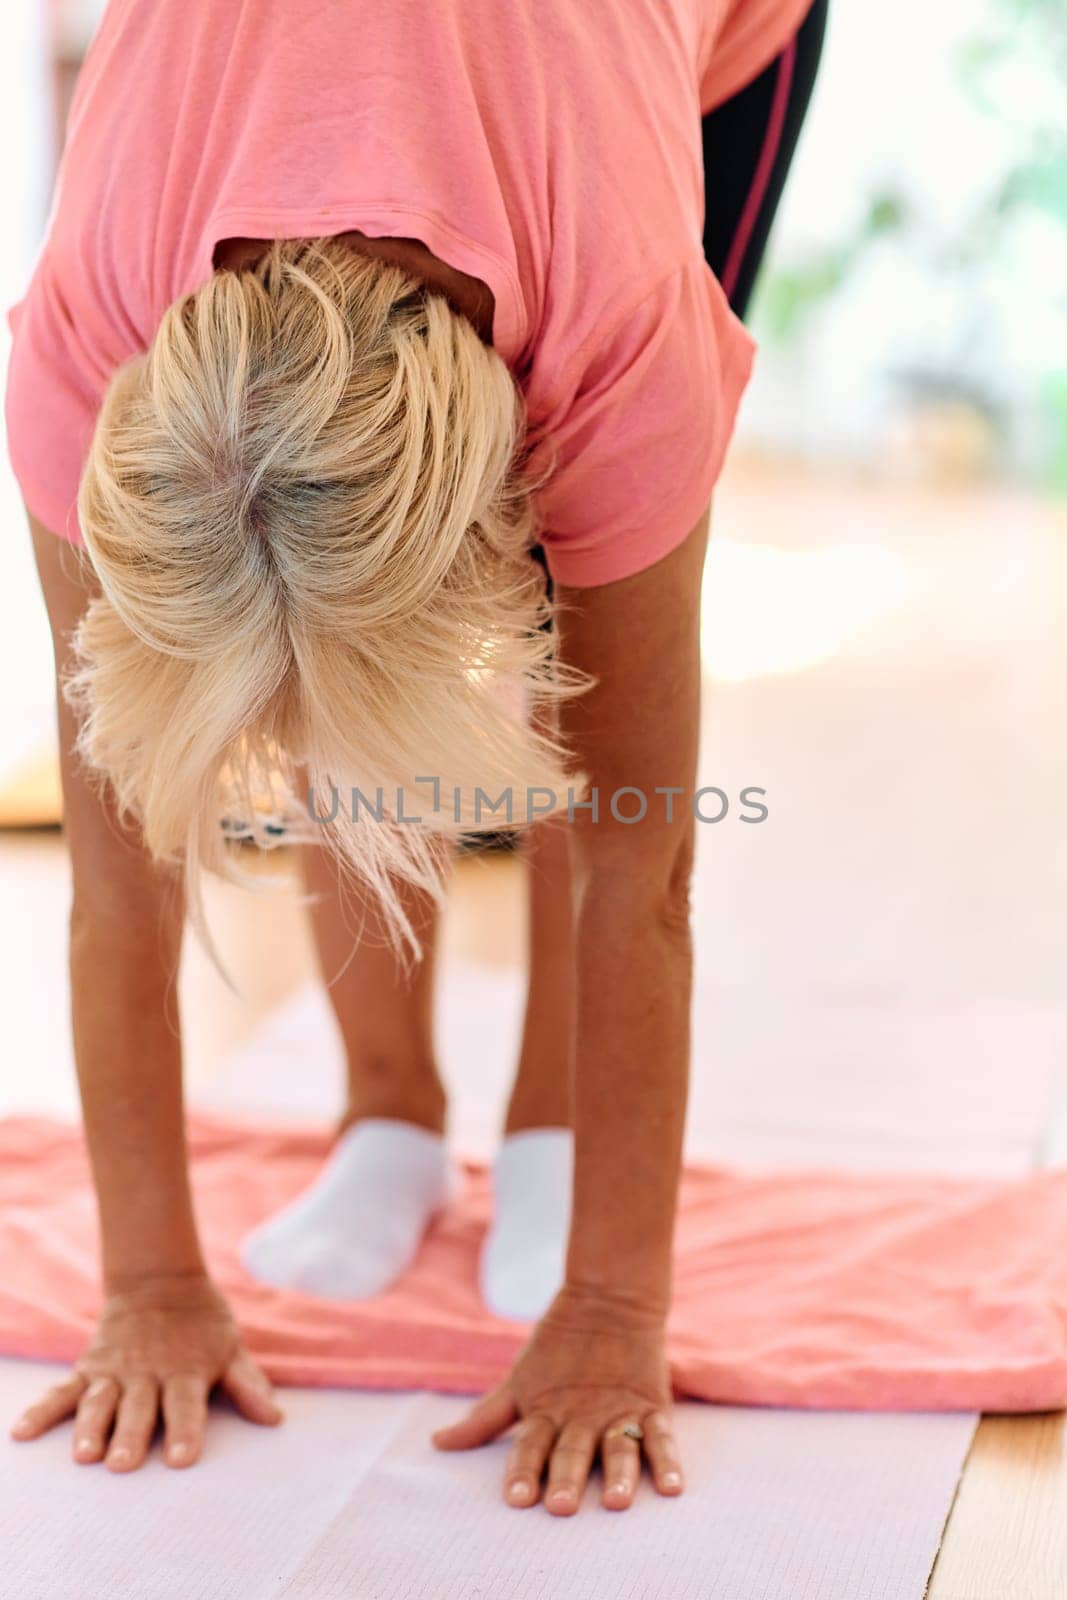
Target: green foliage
<point x="789" y="294"/>
<point x="1054" y="399"/>
<point x="1031" y="31"/>
<point x="1014" y="70"/>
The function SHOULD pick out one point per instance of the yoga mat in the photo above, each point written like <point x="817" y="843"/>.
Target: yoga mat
<point x="775" y="1081"/>
<point x="813" y="1289"/>
<point x="347" y="1500"/>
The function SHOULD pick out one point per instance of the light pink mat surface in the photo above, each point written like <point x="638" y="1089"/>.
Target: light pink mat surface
<point x="857" y="1079"/>
<point x="814" y="1289"/>
<point x="348" y="1501"/>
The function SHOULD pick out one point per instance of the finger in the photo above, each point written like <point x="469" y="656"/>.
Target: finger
<point x="568" y="1470"/>
<point x="135" y="1423"/>
<point x="662" y="1452"/>
<point x="493" y="1413"/>
<point x="526" y="1459"/>
<point x="53" y="1406"/>
<point x="96" y="1409"/>
<point x="621" y="1459"/>
<point x="250" y="1390"/>
<point x="184" y="1417"/>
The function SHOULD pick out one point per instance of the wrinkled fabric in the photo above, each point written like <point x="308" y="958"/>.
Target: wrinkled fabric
<point x="809" y="1289"/>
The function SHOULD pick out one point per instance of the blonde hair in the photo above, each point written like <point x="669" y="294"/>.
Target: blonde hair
<point x="307" y="512"/>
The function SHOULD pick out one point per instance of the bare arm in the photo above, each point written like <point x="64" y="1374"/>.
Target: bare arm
<point x="125" y="942"/>
<point x="638" y="728"/>
<point x="596" y="1362"/>
<point x="165" y="1334"/>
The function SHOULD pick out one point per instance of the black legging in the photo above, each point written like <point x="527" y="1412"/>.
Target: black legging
<point x="748" y="146"/>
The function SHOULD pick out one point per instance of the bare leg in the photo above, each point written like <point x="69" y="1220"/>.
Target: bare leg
<point x="359" y="1226"/>
<point x="523" y="1258"/>
<point x="384" y="1013"/>
<point x="541" y="1093"/>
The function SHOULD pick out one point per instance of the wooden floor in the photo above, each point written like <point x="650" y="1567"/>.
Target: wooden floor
<point x="890" y="665"/>
<point x="1007" y="1536"/>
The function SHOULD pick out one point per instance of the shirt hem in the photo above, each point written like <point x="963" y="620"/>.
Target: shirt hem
<point x="626" y="554"/>
<point x="635" y="552"/>
<point x="48" y="509"/>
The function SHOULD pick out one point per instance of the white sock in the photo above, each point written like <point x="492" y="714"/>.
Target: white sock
<point x="524" y="1255"/>
<point x="360" y="1224"/>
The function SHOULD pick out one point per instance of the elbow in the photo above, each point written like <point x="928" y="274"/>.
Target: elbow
<point x="636" y="881"/>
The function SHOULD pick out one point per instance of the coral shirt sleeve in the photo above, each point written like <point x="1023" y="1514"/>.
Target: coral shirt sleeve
<point x="637" y="426"/>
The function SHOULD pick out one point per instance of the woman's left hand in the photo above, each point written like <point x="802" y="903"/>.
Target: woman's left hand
<point x="591" y="1365"/>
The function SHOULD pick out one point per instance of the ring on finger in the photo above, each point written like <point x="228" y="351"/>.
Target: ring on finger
<point x="625" y="1430"/>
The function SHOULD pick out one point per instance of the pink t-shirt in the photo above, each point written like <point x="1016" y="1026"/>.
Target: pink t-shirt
<point x="551" y="149"/>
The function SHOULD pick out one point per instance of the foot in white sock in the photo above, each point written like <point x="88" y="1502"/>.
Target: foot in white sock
<point x="360" y="1224"/>
<point x="524" y="1255"/>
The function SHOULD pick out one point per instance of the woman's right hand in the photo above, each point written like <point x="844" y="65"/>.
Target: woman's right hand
<point x="159" y="1348"/>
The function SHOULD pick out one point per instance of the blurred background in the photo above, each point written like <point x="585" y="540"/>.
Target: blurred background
<point x="880" y="964"/>
<point x="885" y="633"/>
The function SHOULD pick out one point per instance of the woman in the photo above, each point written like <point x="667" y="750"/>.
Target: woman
<point x="336" y="317"/>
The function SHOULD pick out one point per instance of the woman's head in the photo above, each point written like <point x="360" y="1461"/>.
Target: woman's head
<point x="306" y="510"/>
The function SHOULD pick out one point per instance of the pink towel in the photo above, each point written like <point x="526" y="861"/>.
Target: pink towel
<point x="816" y="1288"/>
